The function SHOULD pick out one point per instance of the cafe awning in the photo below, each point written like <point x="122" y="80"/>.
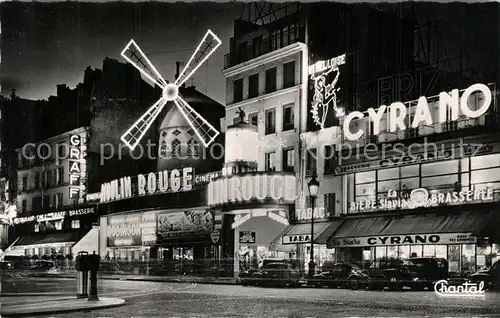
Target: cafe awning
<point x="300" y="233"/>
<point x="48" y="239"/>
<point x="476" y="223"/>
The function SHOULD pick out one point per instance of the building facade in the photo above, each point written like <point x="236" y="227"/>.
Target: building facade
<point x="53" y="216"/>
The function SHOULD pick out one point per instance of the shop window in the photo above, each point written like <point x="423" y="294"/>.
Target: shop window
<point x="75" y="224"/>
<point x="416" y="250"/>
<point x="238" y="90"/>
<point x="440" y="168"/>
<point x="365" y="177"/>
<point x="429" y="250"/>
<point x="487" y="161"/>
<point x="365" y="189"/>
<point x="410" y="171"/>
<point x="253" y="85"/>
<point x="58" y="225"/>
<point x="388" y="174"/>
<point x="37" y="227"/>
<point x="385" y="186"/>
<point x="488" y="175"/>
<point x="468" y="257"/>
<point x="392" y="252"/>
<point x="404" y="251"/>
<point x="453" y="258"/>
<point x="441" y="251"/>
<point x="380" y="252"/>
<point x="440" y="182"/>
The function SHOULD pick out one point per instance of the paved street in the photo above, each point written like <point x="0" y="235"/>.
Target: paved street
<point x="148" y="299"/>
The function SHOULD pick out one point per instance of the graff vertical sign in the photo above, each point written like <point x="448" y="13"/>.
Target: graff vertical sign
<point x="325" y="92"/>
<point x="75" y="155"/>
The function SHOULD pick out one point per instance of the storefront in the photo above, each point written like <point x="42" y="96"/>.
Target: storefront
<point x="52" y="233"/>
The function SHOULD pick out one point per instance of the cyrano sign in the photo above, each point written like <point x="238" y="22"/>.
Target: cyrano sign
<point x="449" y="106"/>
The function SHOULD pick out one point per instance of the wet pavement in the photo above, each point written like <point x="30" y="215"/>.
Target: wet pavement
<point x="149" y="299"/>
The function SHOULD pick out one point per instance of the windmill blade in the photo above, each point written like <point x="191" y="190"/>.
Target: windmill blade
<point x="207" y="46"/>
<point x="134" y="134"/>
<point x="205" y="132"/>
<point x="134" y="55"/>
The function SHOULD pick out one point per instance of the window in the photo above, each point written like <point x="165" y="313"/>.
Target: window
<point x="275" y="40"/>
<point x="270" y="161"/>
<point x="58" y="225"/>
<point x="329" y="158"/>
<point x="37" y="180"/>
<point x="176" y="147"/>
<point x="253" y="119"/>
<point x="60" y="201"/>
<point x="49" y="180"/>
<point x="60" y="175"/>
<point x="238" y="90"/>
<point x="270" y="121"/>
<point x="289" y="74"/>
<point x="36" y="203"/>
<point x="25" y="183"/>
<point x="193" y="148"/>
<point x="46" y="202"/>
<point x="23" y="206"/>
<point x="253" y="86"/>
<point x="329" y="204"/>
<point x="271" y="80"/>
<point x="311" y="160"/>
<point x="288" y="118"/>
<point x="288" y="160"/>
<point x="256" y="43"/>
<point x="75" y="224"/>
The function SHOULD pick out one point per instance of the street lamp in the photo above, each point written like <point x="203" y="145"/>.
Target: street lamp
<point x="313" y="186"/>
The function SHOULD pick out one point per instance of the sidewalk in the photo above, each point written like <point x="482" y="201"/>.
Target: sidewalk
<point x="57" y="306"/>
<point x="149" y="278"/>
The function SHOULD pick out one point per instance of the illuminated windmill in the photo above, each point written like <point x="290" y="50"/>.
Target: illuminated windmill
<point x="134" y="55"/>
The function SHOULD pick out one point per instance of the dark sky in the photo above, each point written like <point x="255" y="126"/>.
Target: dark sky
<point x="45" y="44"/>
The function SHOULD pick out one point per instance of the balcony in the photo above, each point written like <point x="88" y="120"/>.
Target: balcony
<point x="245" y="53"/>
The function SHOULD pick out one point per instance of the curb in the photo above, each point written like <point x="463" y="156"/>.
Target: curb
<point x="38" y="309"/>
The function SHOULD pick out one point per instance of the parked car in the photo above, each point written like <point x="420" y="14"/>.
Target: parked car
<point x="490" y="276"/>
<point x="6" y="266"/>
<point x="43" y="265"/>
<point x="278" y="272"/>
<point x="415" y="273"/>
<point x="340" y="275"/>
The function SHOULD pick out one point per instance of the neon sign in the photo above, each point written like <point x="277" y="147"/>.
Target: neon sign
<point x="75" y="171"/>
<point x="325" y="93"/>
<point x="170" y="91"/>
<point x="397" y="113"/>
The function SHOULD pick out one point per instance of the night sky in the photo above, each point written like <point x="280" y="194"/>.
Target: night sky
<point x="45" y="44"/>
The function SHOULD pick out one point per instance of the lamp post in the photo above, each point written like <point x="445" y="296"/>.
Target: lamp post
<point x="313" y="186"/>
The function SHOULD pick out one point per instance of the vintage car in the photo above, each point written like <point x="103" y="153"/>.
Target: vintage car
<point x="339" y="275"/>
<point x="272" y="272"/>
<point x="6" y="266"/>
<point x="43" y="265"/>
<point x="490" y="277"/>
<point x="415" y="273"/>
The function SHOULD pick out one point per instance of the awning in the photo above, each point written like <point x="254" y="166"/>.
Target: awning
<point x="383" y="230"/>
<point x="48" y="239"/>
<point x="301" y="233"/>
<point x="332" y="228"/>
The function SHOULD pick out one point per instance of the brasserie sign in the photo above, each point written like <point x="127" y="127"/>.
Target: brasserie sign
<point x="54" y="215"/>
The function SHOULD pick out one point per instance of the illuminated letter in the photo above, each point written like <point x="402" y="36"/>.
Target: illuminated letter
<point x="127" y="185"/>
<point x="422" y="113"/>
<point x="236" y="191"/>
<point x="112" y="190"/>
<point x="175" y="180"/>
<point x="74" y="140"/>
<point x="246" y="185"/>
<point x="276" y="195"/>
<point x="151" y="183"/>
<point x="375" y="117"/>
<point x="141" y="183"/>
<point x="448" y="101"/>
<point x="465" y="98"/>
<point x="347" y="124"/>
<point x="187" y="178"/>
<point x="397" y="120"/>
<point x="260" y="183"/>
<point x="26" y="155"/>
<point x="163" y="180"/>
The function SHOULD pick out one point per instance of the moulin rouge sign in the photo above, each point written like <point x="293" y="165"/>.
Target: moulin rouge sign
<point x="397" y="113"/>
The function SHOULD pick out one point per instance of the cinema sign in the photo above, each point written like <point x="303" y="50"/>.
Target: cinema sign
<point x="410" y="239"/>
<point x="75" y="168"/>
